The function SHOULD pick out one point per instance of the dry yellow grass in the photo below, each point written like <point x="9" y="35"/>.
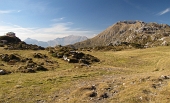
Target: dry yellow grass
<point x="130" y="76"/>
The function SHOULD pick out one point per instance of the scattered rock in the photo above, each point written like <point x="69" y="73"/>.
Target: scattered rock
<point x="105" y="95"/>
<point x="30" y="70"/>
<point x="24" y="69"/>
<point x="145" y="91"/>
<point x="73" y="60"/>
<point x="39" y="55"/>
<point x="2" y="65"/>
<point x="165" y="77"/>
<point x="2" y="72"/>
<point x="14" y="57"/>
<point x="18" y="86"/>
<point x="72" y="56"/>
<point x="156" y="85"/>
<point x="4" y="57"/>
<point x="41" y="101"/>
<point x="40" y="68"/>
<point x="83" y="61"/>
<point x="93" y="94"/>
<point x="93" y="87"/>
<point x="10" y="58"/>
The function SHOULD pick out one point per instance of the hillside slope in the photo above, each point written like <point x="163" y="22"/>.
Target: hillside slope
<point x="138" y="32"/>
<point x="130" y="76"/>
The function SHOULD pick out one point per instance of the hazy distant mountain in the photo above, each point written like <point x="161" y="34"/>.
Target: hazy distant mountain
<point x="131" y="32"/>
<point x="67" y="40"/>
<point x="58" y="41"/>
<point x="34" y="41"/>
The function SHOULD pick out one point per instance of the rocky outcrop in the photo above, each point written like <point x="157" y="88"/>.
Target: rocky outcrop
<point x="26" y="65"/>
<point x="71" y="55"/>
<point x="9" y="39"/>
<point x="23" y="46"/>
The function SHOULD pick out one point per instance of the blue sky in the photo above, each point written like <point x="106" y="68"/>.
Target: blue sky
<point x="48" y="19"/>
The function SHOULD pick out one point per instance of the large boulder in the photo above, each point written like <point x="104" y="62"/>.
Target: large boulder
<point x="39" y="55"/>
<point x="10" y="57"/>
<point x="3" y="72"/>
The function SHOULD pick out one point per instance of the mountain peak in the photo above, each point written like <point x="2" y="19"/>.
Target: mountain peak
<point x="71" y="39"/>
<point x="130" y="21"/>
<point x="138" y="32"/>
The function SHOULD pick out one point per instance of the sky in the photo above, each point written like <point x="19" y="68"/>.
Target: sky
<point x="49" y="19"/>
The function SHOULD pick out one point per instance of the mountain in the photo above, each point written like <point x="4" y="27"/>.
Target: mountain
<point x="34" y="41"/>
<point x="67" y="40"/>
<point x="58" y="41"/>
<point x="130" y="32"/>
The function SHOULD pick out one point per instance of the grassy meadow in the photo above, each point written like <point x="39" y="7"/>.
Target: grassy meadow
<point x="129" y="76"/>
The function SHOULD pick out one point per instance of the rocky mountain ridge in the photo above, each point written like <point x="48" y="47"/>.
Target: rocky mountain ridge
<point x="130" y="32"/>
<point x="58" y="41"/>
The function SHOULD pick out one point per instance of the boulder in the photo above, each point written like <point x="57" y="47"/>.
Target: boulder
<point x="14" y="57"/>
<point x="105" y="95"/>
<point x="2" y="65"/>
<point x="39" y="55"/>
<point x="40" y="68"/>
<point x="93" y="94"/>
<point x="165" y="77"/>
<point x="84" y="61"/>
<point x="73" y="60"/>
<point x="7" y="57"/>
<point x="2" y="72"/>
<point x="24" y="69"/>
<point x="4" y="57"/>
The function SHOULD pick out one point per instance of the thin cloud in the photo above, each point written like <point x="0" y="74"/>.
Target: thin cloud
<point x="164" y="11"/>
<point x="58" y="19"/>
<point x="45" y="34"/>
<point x="9" y="11"/>
<point x="5" y="11"/>
<point x="139" y="7"/>
<point x="19" y="11"/>
<point x="41" y="6"/>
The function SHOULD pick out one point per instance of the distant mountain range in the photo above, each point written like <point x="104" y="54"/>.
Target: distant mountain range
<point x="58" y="41"/>
<point x="130" y="32"/>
